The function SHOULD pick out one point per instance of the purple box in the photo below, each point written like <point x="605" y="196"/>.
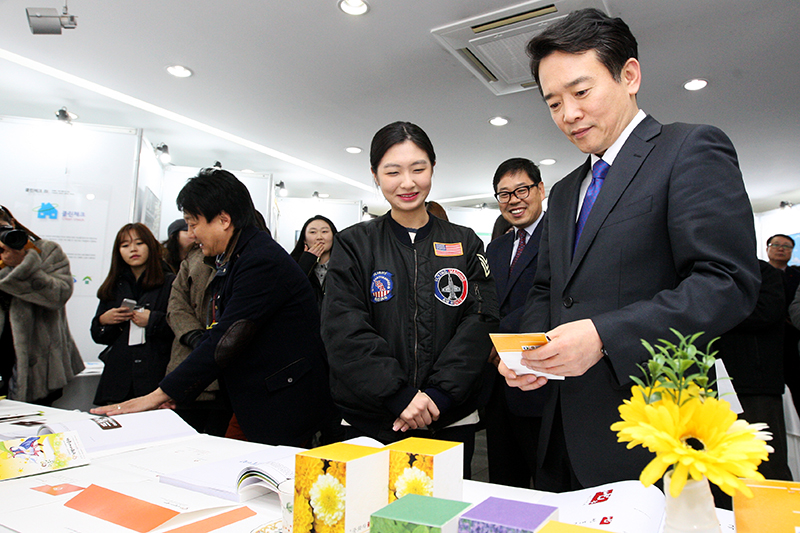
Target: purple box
<point x="496" y="515"/>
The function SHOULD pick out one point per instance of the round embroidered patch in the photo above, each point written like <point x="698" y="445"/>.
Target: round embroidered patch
<point x="450" y="286"/>
<point x="382" y="287"/>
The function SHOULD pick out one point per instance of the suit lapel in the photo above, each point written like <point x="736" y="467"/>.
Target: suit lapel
<point x="505" y="245"/>
<point x="622" y="171"/>
<point x="561" y="254"/>
<point x="528" y="254"/>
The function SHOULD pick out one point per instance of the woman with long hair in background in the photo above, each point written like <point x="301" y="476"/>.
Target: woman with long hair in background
<point x="131" y="317"/>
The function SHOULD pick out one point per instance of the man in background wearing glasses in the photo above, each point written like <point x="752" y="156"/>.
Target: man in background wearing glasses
<point x="779" y="253"/>
<point x="513" y="417"/>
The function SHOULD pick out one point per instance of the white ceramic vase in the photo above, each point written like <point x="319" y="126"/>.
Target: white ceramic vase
<point x="693" y="510"/>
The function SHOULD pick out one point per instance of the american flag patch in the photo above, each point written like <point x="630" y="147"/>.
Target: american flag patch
<point x="447" y="249"/>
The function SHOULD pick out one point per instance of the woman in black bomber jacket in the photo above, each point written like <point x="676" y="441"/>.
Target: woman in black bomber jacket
<point x="409" y="305"/>
<point x="137" y="273"/>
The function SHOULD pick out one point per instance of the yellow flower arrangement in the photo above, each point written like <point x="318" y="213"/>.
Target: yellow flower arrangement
<point x="328" y="499"/>
<point x="414" y="481"/>
<point x="676" y="415"/>
<point x="302" y="517"/>
<point x="308" y="470"/>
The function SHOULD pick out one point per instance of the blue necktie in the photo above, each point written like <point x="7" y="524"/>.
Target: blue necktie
<point x="599" y="171"/>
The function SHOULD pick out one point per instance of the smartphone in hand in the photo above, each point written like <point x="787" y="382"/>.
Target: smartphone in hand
<point x="130" y="304"/>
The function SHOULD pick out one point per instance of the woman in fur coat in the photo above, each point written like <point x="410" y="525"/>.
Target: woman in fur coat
<point x="38" y="355"/>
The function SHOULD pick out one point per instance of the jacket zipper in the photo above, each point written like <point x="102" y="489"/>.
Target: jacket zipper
<point x="416" y="310"/>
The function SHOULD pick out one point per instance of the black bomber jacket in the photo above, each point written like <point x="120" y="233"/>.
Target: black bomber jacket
<point x="401" y="317"/>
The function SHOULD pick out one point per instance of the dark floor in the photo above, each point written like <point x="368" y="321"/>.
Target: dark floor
<point x="480" y="465"/>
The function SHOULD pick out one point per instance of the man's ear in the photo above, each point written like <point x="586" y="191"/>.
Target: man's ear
<point x="225" y="219"/>
<point x="631" y="76"/>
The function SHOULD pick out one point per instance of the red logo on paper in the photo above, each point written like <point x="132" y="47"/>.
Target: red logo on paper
<point x="606" y="519"/>
<point x="601" y="497"/>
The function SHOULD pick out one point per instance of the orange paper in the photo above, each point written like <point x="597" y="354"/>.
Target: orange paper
<point x="55" y="490"/>
<point x="517" y="342"/>
<point x="120" y="509"/>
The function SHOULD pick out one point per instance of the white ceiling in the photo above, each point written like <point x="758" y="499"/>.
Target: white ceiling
<point x="304" y="79"/>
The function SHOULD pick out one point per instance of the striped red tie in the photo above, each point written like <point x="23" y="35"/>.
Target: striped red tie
<point x="523" y="235"/>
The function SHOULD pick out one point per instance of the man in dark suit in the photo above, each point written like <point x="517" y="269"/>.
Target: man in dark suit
<point x="513" y="417"/>
<point x="654" y="231"/>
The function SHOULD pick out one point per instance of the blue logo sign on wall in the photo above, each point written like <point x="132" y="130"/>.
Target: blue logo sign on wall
<point x="47" y="210"/>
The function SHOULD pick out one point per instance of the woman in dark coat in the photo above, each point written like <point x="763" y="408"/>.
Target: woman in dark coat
<point x="135" y="361"/>
<point x="313" y="250"/>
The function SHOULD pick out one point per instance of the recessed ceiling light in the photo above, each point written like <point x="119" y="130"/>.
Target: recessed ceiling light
<point x="247" y="171"/>
<point x="179" y="71"/>
<point x="90" y="196"/>
<point x="695" y="84"/>
<point x="323" y="195"/>
<point x="547" y="162"/>
<point x="498" y="121"/>
<point x="353" y="7"/>
<point x="353" y="150"/>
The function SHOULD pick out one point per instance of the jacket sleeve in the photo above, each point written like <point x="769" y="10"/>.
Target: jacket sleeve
<point x="794" y="309"/>
<point x="104" y="334"/>
<point x="42" y="279"/>
<point x="181" y="315"/>
<point x="461" y="363"/>
<point x="771" y="304"/>
<point x="360" y="359"/>
<point x="307" y="262"/>
<point x="157" y="326"/>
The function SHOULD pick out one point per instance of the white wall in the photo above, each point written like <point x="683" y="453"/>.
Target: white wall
<point x="480" y="220"/>
<point x="259" y="185"/>
<point x="292" y="213"/>
<point x="88" y="175"/>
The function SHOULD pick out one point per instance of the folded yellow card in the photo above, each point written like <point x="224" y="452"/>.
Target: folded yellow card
<point x="510" y="346"/>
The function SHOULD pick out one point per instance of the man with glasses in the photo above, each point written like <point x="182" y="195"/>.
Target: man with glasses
<point x="513" y="417"/>
<point x="779" y="253"/>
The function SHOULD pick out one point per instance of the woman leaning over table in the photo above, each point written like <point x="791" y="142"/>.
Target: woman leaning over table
<point x="133" y="367"/>
<point x="408" y="310"/>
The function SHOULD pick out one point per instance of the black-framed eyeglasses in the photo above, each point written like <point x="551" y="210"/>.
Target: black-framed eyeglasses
<point x="781" y="246"/>
<point x="523" y="192"/>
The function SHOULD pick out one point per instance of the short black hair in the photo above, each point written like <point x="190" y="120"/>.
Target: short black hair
<point x="514" y="166"/>
<point x="396" y="133"/>
<point x="584" y="30"/>
<point x="213" y="191"/>
<point x="780" y="235"/>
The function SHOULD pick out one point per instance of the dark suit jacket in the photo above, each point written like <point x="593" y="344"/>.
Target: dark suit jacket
<point x="753" y="350"/>
<point x="512" y="290"/>
<point x="669" y="243"/>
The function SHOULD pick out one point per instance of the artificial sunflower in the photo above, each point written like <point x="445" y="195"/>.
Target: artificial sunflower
<point x="698" y="438"/>
<point x="676" y="416"/>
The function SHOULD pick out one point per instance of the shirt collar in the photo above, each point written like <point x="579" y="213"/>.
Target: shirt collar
<point x="529" y="229"/>
<point x="614" y="149"/>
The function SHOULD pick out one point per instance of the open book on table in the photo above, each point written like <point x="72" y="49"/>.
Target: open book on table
<point x="105" y="435"/>
<point x="510" y="346"/>
<point x="239" y="478"/>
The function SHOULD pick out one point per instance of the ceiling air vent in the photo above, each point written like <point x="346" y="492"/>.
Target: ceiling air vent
<point x="492" y="46"/>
